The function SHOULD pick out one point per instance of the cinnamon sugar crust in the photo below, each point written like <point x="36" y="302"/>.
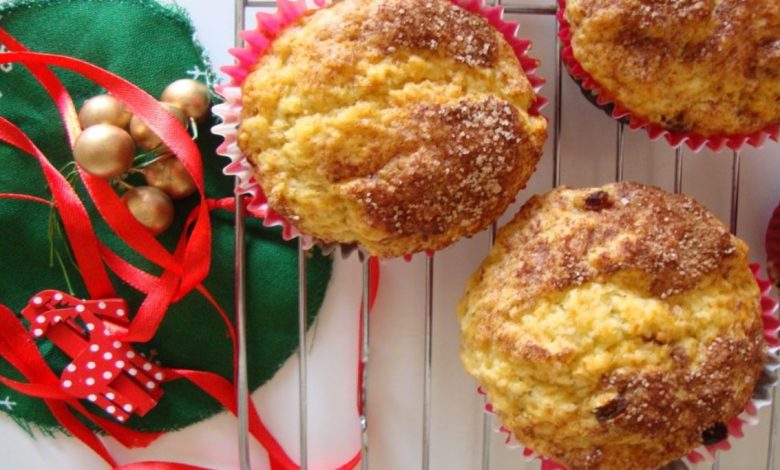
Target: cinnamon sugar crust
<point x="435" y="26"/>
<point x="672" y="239"/>
<point x="611" y="327"/>
<point x="460" y="162"/>
<point x="709" y="67"/>
<point x="402" y="125"/>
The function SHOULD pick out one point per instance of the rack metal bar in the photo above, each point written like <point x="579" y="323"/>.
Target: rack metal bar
<point x="619" y="158"/>
<point x="242" y="377"/>
<point x="487" y="423"/>
<point x="678" y="169"/>
<point x="556" y="180"/>
<point x="303" y="370"/>
<point x="773" y="430"/>
<point x="364" y="344"/>
<point x="428" y="363"/>
<point x="511" y="9"/>
<point x="261" y="3"/>
<point x="487" y="418"/>
<point x="520" y="10"/>
<point x="736" y="163"/>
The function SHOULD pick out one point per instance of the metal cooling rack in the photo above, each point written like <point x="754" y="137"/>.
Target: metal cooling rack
<point x="241" y="7"/>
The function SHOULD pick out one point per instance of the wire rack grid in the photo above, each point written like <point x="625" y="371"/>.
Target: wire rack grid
<point x="543" y="15"/>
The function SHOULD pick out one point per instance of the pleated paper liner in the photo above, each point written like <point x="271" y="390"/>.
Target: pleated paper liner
<point x="259" y="40"/>
<point x="718" y="438"/>
<point x="605" y="100"/>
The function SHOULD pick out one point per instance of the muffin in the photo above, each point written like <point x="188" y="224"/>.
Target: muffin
<point x="400" y="125"/>
<point x="614" y="327"/>
<point x="703" y="67"/>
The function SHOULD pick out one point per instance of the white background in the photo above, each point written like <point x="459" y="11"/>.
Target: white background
<point x="396" y="371"/>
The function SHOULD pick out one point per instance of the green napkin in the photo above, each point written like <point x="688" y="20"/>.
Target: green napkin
<point x="150" y="45"/>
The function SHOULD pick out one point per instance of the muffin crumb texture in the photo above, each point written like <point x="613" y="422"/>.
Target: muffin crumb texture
<point x="612" y="327"/>
<point x="401" y="125"/>
<point x="707" y="67"/>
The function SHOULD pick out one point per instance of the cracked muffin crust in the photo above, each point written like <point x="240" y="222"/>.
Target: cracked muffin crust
<point x="611" y="327"/>
<point x="401" y="125"/>
<point x="707" y="67"/>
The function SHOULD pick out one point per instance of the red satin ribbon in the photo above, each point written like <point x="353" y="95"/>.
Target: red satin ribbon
<point x="193" y="264"/>
<point x="26" y="197"/>
<point x="159" y="466"/>
<point x="73" y="214"/>
<point x="159" y="120"/>
<point x="183" y="270"/>
<point x="53" y="86"/>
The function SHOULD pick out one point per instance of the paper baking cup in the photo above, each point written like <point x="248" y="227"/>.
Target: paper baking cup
<point x="606" y="101"/>
<point x="259" y="39"/>
<point x="705" y="454"/>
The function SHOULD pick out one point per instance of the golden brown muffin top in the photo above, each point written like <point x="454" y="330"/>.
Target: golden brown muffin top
<point x="709" y="67"/>
<point x="612" y="326"/>
<point x="624" y="226"/>
<point x="402" y="125"/>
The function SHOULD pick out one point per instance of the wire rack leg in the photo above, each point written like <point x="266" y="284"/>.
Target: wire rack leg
<point x="242" y="385"/>
<point x="487" y="418"/>
<point x="556" y="180"/>
<point x="487" y="423"/>
<point x="678" y="169"/>
<point x="364" y="319"/>
<point x="428" y="363"/>
<point x="736" y="162"/>
<point x="242" y="378"/>
<point x="302" y="359"/>
<point x="773" y="430"/>
<point x="619" y="159"/>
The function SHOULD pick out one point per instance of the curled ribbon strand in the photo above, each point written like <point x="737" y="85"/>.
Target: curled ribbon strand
<point x="74" y="216"/>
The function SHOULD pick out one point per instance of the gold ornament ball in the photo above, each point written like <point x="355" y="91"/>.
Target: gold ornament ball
<point x="148" y="140"/>
<point x="169" y="176"/>
<point x="190" y="95"/>
<point x="151" y="207"/>
<point x="104" y="150"/>
<point x="104" y="109"/>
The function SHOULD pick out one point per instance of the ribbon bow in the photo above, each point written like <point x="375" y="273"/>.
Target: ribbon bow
<point x="105" y="370"/>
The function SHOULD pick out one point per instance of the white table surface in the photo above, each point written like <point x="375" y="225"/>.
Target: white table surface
<point x="396" y="370"/>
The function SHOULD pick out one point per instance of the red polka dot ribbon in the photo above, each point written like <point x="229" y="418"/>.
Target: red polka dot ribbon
<point x="105" y="370"/>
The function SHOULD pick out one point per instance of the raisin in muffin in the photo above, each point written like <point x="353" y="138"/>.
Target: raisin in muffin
<point x="612" y="327"/>
<point x="401" y="125"/>
<point x="705" y="67"/>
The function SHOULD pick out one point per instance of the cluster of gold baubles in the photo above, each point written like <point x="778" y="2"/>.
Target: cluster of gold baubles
<point x="107" y="148"/>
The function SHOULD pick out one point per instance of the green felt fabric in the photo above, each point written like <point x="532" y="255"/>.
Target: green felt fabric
<point x="152" y="46"/>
